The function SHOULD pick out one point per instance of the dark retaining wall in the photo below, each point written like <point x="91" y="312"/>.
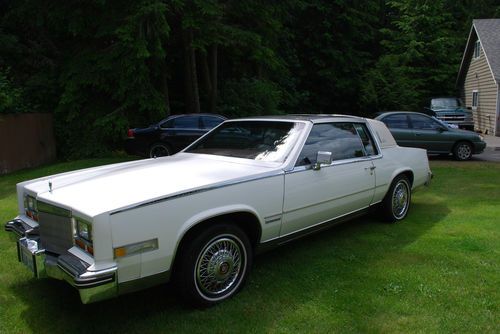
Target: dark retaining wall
<point x="26" y="140"/>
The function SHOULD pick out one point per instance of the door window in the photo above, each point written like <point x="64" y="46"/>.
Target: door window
<point x="209" y="122"/>
<point x="186" y="122"/>
<point x="341" y="139"/>
<point x="421" y="122"/>
<point x="398" y="121"/>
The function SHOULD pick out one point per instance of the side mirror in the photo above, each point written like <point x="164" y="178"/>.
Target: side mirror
<point x="469" y="108"/>
<point x="322" y="158"/>
<point x="442" y="129"/>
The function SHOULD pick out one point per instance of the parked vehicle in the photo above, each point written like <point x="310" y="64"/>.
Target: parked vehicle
<point x="413" y="129"/>
<point x="199" y="216"/>
<point x="451" y="110"/>
<point x="170" y="135"/>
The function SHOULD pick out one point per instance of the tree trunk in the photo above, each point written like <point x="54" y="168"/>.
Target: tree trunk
<point x="207" y="80"/>
<point x="164" y="87"/>
<point x="190" y="76"/>
<point x="213" y="75"/>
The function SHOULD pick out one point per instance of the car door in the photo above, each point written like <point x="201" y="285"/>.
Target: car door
<point x="345" y="186"/>
<point x="399" y="126"/>
<point x="429" y="134"/>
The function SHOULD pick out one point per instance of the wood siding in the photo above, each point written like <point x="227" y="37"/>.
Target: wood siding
<point x="480" y="78"/>
<point x="26" y="140"/>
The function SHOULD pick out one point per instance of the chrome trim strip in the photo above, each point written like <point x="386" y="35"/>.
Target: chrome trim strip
<point x="315" y="225"/>
<point x="93" y="284"/>
<point x="273" y="220"/>
<point x="99" y="273"/>
<point x="192" y="192"/>
<point x="326" y="201"/>
<point x="298" y="169"/>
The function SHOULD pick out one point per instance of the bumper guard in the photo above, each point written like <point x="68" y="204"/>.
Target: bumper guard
<point x="92" y="285"/>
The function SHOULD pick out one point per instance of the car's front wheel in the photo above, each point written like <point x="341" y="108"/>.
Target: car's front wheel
<point x="213" y="265"/>
<point x="396" y="202"/>
<point x="462" y="151"/>
<point x="159" y="150"/>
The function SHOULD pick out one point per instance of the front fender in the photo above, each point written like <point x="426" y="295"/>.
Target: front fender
<point x="212" y="213"/>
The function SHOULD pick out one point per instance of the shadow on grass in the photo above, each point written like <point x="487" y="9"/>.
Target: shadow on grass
<point x="321" y="280"/>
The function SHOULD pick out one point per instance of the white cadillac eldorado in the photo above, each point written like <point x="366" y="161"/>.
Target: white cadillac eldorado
<point x="199" y="217"/>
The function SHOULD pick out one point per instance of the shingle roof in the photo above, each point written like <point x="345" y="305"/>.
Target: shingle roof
<point x="488" y="32"/>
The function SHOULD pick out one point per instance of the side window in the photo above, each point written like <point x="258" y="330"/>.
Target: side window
<point x="186" y="122"/>
<point x="339" y="138"/>
<point x="475" y="99"/>
<point x="477" y="49"/>
<point x="167" y="124"/>
<point x="396" y="121"/>
<point x="366" y="139"/>
<point x="424" y="123"/>
<point x="209" y="122"/>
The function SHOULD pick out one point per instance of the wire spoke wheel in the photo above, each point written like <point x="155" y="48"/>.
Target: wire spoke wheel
<point x="213" y="264"/>
<point x="396" y="202"/>
<point x="219" y="267"/>
<point x="400" y="199"/>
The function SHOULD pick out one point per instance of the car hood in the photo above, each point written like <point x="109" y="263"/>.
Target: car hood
<point x="469" y="133"/>
<point x="113" y="187"/>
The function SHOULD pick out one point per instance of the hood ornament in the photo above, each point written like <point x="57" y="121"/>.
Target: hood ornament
<point x="50" y="186"/>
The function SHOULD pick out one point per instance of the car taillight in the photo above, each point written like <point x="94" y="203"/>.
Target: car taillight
<point x="130" y="133"/>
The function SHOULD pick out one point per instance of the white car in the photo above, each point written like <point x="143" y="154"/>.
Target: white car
<point x="198" y="217"/>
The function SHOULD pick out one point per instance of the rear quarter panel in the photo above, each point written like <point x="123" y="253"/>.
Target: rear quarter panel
<point x="396" y="160"/>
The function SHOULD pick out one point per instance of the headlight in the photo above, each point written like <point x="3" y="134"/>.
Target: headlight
<point x="83" y="235"/>
<point x="30" y="207"/>
<point x="84" y="229"/>
<point x="481" y="137"/>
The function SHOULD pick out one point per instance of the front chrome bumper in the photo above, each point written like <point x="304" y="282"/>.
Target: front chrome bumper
<point x="92" y="285"/>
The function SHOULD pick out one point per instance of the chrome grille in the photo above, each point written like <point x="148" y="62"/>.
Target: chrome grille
<point x="447" y="118"/>
<point x="56" y="228"/>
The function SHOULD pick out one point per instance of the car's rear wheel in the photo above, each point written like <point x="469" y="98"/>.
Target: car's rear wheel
<point x="159" y="150"/>
<point x="462" y="151"/>
<point x="396" y="203"/>
<point x="213" y="265"/>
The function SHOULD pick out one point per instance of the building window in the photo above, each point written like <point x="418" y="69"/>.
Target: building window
<point x="477" y="49"/>
<point x="475" y="99"/>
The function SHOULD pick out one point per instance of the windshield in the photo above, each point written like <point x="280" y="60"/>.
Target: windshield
<point x="443" y="103"/>
<point x="257" y="140"/>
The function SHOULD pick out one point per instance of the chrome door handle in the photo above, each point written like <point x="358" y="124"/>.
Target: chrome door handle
<point x="370" y="169"/>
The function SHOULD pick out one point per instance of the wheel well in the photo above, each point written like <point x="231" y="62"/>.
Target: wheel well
<point x="157" y="142"/>
<point x="167" y="145"/>
<point x="247" y="221"/>
<point x="462" y="141"/>
<point x="409" y="175"/>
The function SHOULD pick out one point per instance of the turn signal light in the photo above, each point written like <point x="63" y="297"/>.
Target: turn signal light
<point x="137" y="248"/>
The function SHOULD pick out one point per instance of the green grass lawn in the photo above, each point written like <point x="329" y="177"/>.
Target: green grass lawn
<point x="438" y="271"/>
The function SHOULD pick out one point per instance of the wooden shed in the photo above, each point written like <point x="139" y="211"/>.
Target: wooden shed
<point x="479" y="75"/>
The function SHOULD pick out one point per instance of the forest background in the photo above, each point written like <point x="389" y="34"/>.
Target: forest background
<point x="101" y="66"/>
